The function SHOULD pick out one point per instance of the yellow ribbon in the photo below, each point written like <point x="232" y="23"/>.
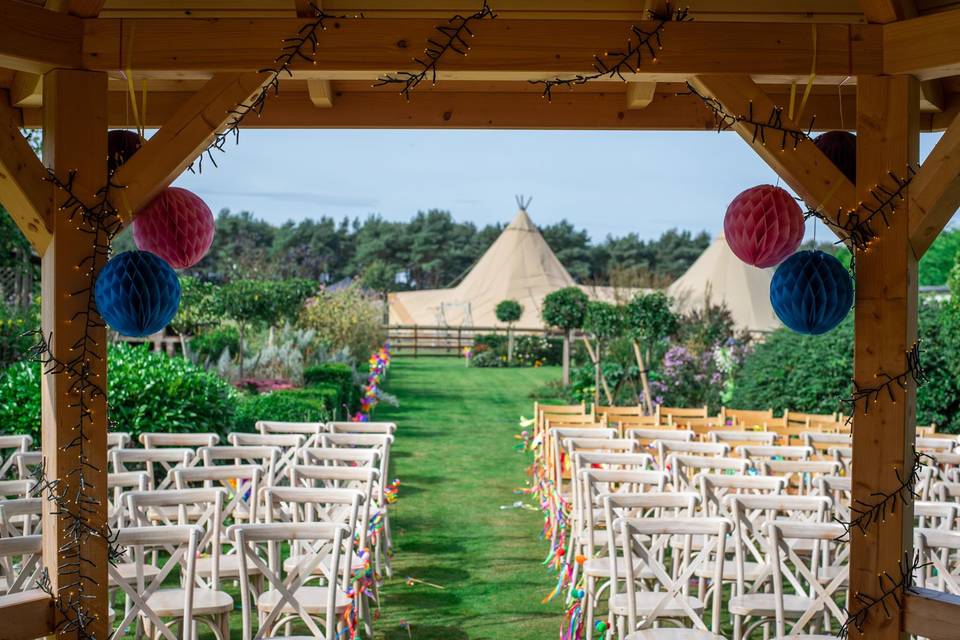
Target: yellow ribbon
<point x="813" y="74"/>
<point x="131" y="89"/>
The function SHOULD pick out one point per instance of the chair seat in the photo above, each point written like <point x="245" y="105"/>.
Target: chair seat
<point x="764" y="605"/>
<point x="646" y="601"/>
<point x="751" y="570"/>
<point x="673" y="634"/>
<point x="128" y="572"/>
<point x="229" y="566"/>
<point x="169" y="602"/>
<point x="313" y="599"/>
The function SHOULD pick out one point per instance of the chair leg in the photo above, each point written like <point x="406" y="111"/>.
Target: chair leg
<point x="589" y="597"/>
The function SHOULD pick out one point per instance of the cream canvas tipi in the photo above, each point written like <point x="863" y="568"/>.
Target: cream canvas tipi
<point x="519" y="266"/>
<point x="744" y="289"/>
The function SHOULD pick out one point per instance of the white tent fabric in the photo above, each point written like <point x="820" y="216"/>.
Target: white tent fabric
<point x="519" y="266"/>
<point x="726" y="279"/>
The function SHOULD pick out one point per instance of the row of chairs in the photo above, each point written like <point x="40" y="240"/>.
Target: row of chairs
<point x="295" y="517"/>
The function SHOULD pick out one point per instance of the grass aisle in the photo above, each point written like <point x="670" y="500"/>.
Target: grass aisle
<point x="455" y="459"/>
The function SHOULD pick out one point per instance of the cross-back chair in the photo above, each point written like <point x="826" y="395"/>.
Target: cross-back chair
<point x="10" y="445"/>
<point x="156" y="462"/>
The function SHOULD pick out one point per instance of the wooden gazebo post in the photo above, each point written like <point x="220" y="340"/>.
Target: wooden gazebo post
<point x="75" y="138"/>
<point x="885" y="315"/>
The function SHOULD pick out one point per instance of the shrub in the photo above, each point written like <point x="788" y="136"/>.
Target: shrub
<point x="14" y="324"/>
<point x="604" y="320"/>
<point x="346" y="319"/>
<point x="508" y="311"/>
<point x="317" y="404"/>
<point x="148" y="391"/>
<point x="210" y="344"/>
<point x="338" y="376"/>
<point x="565" y="308"/>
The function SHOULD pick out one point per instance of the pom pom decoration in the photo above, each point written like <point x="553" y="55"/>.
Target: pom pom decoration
<point x="137" y="293"/>
<point x="763" y="225"/>
<point x="121" y="144"/>
<point x="177" y="226"/>
<point x="841" y="148"/>
<point x="811" y="292"/>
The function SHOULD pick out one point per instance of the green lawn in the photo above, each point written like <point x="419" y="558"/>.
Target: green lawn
<point x="455" y="459"/>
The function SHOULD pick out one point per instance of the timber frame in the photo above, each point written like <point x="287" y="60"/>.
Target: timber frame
<point x="886" y="68"/>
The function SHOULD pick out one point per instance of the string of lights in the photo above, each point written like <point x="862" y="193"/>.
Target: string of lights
<point x="616" y="64"/>
<point x="724" y="120"/>
<point x="302" y="46"/>
<point x="859" y="228"/>
<point x="74" y="495"/>
<point x="891" y="588"/>
<point x="868" y="513"/>
<point x="454" y="36"/>
<point x="865" y="396"/>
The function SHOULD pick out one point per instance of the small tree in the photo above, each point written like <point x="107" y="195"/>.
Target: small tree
<point x="198" y="310"/>
<point x="565" y="309"/>
<point x="605" y="322"/>
<point x="648" y="319"/>
<point x="509" y="311"/>
<point x="380" y="277"/>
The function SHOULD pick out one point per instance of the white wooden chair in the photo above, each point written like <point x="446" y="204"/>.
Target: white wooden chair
<point x="666" y="448"/>
<point x="178" y="440"/>
<point x="309" y="430"/>
<point x="118" y="440"/>
<point x="149" y="602"/>
<point x="288" y="598"/>
<point x="10" y="445"/>
<point x="759" y="453"/>
<point x="13" y="489"/>
<point x="683" y="468"/>
<point x="241" y="484"/>
<point x="941" y="549"/>
<point x="27" y="464"/>
<point x="801" y="475"/>
<point x="117" y="485"/>
<point x="156" y="462"/>
<point x="382" y="428"/>
<point x="817" y="580"/>
<point x="939" y="445"/>
<point x="647" y="437"/>
<point x="340" y="457"/>
<point x="666" y="594"/>
<point x="289" y="444"/>
<point x="20" y="565"/>
<point x="20" y="517"/>
<point x="741" y="438"/>
<point x="825" y="441"/>
<point x="560" y="464"/>
<point x="839" y="489"/>
<point x="930" y="514"/>
<point x="265" y="457"/>
<point x="714" y="487"/>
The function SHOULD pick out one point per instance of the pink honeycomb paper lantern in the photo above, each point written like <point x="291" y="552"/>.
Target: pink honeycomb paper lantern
<point x="177" y="226"/>
<point x="763" y="226"/>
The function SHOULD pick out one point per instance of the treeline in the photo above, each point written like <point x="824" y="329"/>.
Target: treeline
<point x="432" y="250"/>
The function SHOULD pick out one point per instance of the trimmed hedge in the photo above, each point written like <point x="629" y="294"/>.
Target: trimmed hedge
<point x="338" y="376"/>
<point x="317" y="404"/>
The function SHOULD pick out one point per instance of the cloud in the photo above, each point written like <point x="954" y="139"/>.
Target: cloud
<point x="301" y="197"/>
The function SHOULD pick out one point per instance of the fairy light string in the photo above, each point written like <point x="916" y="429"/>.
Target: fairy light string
<point x="863" y="396"/>
<point x="891" y="589"/>
<point x="641" y="44"/>
<point x="454" y="37"/>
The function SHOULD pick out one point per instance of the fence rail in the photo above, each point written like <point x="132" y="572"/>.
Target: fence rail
<point x="417" y="340"/>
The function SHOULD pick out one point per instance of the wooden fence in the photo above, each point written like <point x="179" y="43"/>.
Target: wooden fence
<point x="421" y="340"/>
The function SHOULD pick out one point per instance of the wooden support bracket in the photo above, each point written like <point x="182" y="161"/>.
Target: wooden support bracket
<point x="184" y="137"/>
<point x="932" y="614"/>
<point x="23" y="191"/>
<point x="36" y="40"/>
<point x="935" y="190"/>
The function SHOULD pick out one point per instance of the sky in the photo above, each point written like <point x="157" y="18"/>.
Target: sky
<point x="609" y="182"/>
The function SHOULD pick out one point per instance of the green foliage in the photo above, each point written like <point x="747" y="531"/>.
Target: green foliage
<point x="338" y="376"/>
<point x="508" y="311"/>
<point x="604" y="320"/>
<point x="345" y="319"/>
<point x="565" y="308"/>
<point x="379" y="276"/>
<point x="937" y="262"/>
<point x="211" y="343"/>
<point x="528" y="351"/>
<point x="148" y="391"/>
<point x="648" y="317"/>
<point x="318" y="404"/>
<point x="261" y="303"/>
<point x="198" y="307"/>
<point x="704" y="328"/>
<point x="14" y="324"/>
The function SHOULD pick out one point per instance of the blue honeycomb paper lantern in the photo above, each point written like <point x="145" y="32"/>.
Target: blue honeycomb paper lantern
<point x="137" y="293"/>
<point x="811" y="292"/>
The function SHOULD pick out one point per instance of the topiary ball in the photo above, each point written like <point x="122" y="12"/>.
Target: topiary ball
<point x="763" y="225"/>
<point x="811" y="292"/>
<point x="137" y="293"/>
<point x="177" y="226"/>
<point x="121" y="144"/>
<point x="841" y="148"/>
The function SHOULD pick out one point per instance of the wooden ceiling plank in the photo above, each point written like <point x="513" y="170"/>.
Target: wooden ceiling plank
<point x="935" y="190"/>
<point x="926" y="47"/>
<point x="364" y="49"/>
<point x="808" y="172"/>
<point x="35" y="40"/>
<point x="182" y="138"/>
<point x="23" y="191"/>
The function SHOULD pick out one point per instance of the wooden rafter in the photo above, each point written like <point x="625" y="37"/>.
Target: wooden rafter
<point x="363" y="49"/>
<point x="886" y="11"/>
<point x="79" y="8"/>
<point x="926" y="47"/>
<point x="26" y="90"/>
<point x="935" y="190"/>
<point x="36" y="40"/>
<point x="182" y="138"/>
<point x="808" y="172"/>
<point x="23" y="191"/>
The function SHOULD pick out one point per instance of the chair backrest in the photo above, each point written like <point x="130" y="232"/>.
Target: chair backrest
<point x="740" y="438"/>
<point x="935" y="515"/>
<point x="308" y="429"/>
<point x="945" y="445"/>
<point x="182" y="440"/>
<point x="361" y="479"/>
<point x="13" y="444"/>
<point x="839" y="489"/>
<point x="265" y="457"/>
<point x="714" y="487"/>
<point x="746" y="417"/>
<point x="665" y="448"/>
<point x="820" y="575"/>
<point x="180" y="545"/>
<point x="118" y="440"/>
<point x="643" y="543"/>
<point x="798" y="419"/>
<point x="20" y="516"/>
<point x="801" y="474"/>
<point x="756" y="453"/>
<point x="118" y="484"/>
<point x="240" y="483"/>
<point x="940" y="549"/>
<point x="156" y="462"/>
<point x="323" y="541"/>
<point x="379" y="443"/>
<point x="20" y="565"/>
<point x="27" y="463"/>
<point x="683" y="468"/>
<point x="646" y="436"/>
<point x="11" y="489"/>
<point x="674" y="414"/>
<point x="340" y="457"/>
<point x="824" y="441"/>
<point x="385" y="428"/>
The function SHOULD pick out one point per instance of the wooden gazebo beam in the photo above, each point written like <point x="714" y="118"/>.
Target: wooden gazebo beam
<point x="35" y="40"/>
<point x="926" y="47"/>
<point x="935" y="190"/>
<point x="23" y="191"/>
<point x="182" y="138"/>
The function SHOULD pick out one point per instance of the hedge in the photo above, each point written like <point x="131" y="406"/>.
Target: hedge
<point x="317" y="404"/>
<point x="339" y="376"/>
